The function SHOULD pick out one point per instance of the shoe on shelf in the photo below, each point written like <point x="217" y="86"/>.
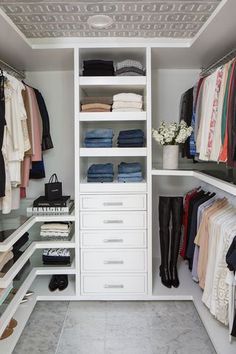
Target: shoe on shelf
<point x="62" y="281"/>
<point x="12" y="324"/>
<point x="53" y="285"/>
<point x="29" y="293"/>
<point x="7" y="333"/>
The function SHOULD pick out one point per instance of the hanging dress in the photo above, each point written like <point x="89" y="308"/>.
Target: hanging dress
<point x="2" y="127"/>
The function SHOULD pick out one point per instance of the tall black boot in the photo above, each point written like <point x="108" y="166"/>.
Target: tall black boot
<point x="177" y="215"/>
<point x="164" y="220"/>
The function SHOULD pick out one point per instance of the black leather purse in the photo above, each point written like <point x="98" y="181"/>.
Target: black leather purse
<point x="53" y="189"/>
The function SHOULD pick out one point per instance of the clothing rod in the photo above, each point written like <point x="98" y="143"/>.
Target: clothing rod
<point x="11" y="70"/>
<point x="223" y="60"/>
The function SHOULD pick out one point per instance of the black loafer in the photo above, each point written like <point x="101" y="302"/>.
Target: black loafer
<point x="53" y="285"/>
<point x="62" y="282"/>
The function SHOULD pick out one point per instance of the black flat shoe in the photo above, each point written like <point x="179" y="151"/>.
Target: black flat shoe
<point x="165" y="278"/>
<point x="53" y="285"/>
<point x="62" y="282"/>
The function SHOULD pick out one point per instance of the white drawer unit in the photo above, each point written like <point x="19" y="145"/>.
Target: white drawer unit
<point x="113" y="260"/>
<point x="114" y="239"/>
<point x="102" y="284"/>
<point x="113" y="202"/>
<point x="113" y="220"/>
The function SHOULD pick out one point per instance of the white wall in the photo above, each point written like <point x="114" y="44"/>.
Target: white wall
<point x="167" y="87"/>
<point x="58" y="92"/>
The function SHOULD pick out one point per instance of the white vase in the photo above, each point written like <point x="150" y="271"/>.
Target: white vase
<point x="170" y="157"/>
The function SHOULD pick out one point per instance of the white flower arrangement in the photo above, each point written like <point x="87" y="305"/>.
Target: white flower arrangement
<point x="172" y="134"/>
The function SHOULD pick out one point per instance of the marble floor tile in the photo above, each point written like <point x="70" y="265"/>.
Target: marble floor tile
<point x="125" y="327"/>
<point x="43" y="329"/>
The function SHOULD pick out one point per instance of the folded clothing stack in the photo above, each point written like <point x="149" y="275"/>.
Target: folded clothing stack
<point x="129" y="67"/>
<point x="98" y="68"/>
<point x="59" y="230"/>
<point x="56" y="256"/>
<point x="96" y="104"/>
<point x="130" y="172"/>
<point x="100" y="173"/>
<point x="98" y="138"/>
<point x="131" y="138"/>
<point x="127" y="102"/>
<point x="5" y="257"/>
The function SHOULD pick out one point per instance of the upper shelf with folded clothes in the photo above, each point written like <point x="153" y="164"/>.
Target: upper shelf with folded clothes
<point x="112" y="62"/>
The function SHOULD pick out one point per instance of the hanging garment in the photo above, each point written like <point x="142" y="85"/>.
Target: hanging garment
<point x="231" y="148"/>
<point x="46" y="136"/>
<point x="2" y="127"/>
<point x="186" y="112"/>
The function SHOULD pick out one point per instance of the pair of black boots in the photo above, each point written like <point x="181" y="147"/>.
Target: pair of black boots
<point x="58" y="281"/>
<point x="170" y="208"/>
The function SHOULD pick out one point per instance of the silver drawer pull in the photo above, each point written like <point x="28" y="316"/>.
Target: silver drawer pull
<point x="113" y="240"/>
<point x="113" y="203"/>
<point x="114" y="286"/>
<point x="113" y="262"/>
<point x="113" y="221"/>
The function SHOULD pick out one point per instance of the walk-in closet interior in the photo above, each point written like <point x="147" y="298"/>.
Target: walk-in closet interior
<point x="100" y="93"/>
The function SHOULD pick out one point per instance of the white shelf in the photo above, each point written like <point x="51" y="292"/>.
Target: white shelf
<point x="112" y="116"/>
<point x="112" y="80"/>
<point x="40" y="288"/>
<point x="113" y="187"/>
<point x="30" y="252"/>
<point x="114" y="151"/>
<point x="216" y="182"/>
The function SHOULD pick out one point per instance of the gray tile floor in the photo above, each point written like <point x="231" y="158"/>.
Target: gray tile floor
<point x="166" y="327"/>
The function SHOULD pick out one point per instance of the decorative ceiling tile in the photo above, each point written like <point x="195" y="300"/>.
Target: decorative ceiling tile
<point x="132" y="18"/>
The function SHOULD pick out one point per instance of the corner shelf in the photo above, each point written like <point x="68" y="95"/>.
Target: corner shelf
<point x="114" y="151"/>
<point x="216" y="182"/>
<point x="112" y="116"/>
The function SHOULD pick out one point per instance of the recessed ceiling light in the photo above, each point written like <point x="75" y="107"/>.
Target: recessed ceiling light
<point x="100" y="21"/>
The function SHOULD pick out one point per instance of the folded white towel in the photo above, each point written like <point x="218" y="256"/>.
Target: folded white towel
<point x="127" y="110"/>
<point x="127" y="104"/>
<point x="129" y="62"/>
<point x="130" y="97"/>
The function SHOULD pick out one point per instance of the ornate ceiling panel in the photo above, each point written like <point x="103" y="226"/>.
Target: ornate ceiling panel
<point x="132" y="18"/>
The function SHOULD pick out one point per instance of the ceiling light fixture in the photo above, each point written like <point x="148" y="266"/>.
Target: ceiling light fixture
<point x="100" y="21"/>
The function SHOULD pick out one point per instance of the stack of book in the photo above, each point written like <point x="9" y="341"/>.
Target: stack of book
<point x="41" y="205"/>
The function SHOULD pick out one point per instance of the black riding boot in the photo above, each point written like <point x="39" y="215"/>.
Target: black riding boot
<point x="177" y="215"/>
<point x="164" y="220"/>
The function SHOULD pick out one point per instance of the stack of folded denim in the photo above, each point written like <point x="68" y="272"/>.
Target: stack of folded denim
<point x="127" y="102"/>
<point x="129" y="67"/>
<point x="56" y="256"/>
<point x="100" y="173"/>
<point x="96" y="104"/>
<point x="131" y="138"/>
<point x="130" y="172"/>
<point x="98" y="68"/>
<point x="98" y="138"/>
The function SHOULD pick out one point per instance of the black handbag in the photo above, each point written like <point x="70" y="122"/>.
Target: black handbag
<point x="53" y="189"/>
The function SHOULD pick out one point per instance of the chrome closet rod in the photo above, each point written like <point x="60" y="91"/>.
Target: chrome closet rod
<point x="12" y="71"/>
<point x="223" y="60"/>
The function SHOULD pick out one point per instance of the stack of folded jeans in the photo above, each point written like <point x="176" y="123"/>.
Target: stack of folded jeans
<point x="131" y="138"/>
<point x="100" y="173"/>
<point x="98" y="68"/>
<point x="56" y="256"/>
<point x="96" y="104"/>
<point x="130" y="172"/>
<point x="127" y="102"/>
<point x="98" y="138"/>
<point x="129" y="67"/>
